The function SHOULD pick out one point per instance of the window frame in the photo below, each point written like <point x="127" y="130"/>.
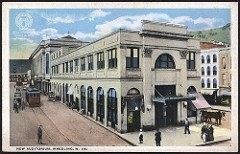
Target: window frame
<point x="160" y="61"/>
<point x="90" y="62"/>
<point x="100" y="60"/>
<point x="112" y="60"/>
<point x="131" y="58"/>
<point x="191" y="62"/>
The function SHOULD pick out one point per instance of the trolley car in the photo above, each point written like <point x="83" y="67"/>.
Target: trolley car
<point x="33" y="97"/>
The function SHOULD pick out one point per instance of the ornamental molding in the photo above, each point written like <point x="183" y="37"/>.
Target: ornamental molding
<point x="147" y="52"/>
<point x="183" y="54"/>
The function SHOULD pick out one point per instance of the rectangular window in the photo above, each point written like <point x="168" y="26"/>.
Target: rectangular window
<point x="63" y="67"/>
<point x="66" y="67"/>
<point x="112" y="58"/>
<point x="100" y="60"/>
<point x="90" y="62"/>
<point x="76" y="63"/>
<point x="132" y="59"/>
<point x="83" y="65"/>
<point x="191" y="60"/>
<point x="71" y="66"/>
<point x="57" y="69"/>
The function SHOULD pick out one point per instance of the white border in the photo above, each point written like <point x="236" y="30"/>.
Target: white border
<point x="233" y="6"/>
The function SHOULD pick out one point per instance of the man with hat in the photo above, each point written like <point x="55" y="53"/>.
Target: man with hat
<point x="140" y="136"/>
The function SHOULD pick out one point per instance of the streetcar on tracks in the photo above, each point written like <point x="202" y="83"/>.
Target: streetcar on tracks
<point x="33" y="97"/>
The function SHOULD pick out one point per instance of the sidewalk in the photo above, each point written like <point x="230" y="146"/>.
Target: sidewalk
<point x="171" y="136"/>
<point x="218" y="107"/>
<point x="174" y="136"/>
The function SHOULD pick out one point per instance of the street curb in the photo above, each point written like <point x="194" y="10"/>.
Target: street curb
<point x="214" y="142"/>
<point x="114" y="132"/>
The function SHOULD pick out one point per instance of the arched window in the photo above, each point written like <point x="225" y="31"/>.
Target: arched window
<point x="100" y="103"/>
<point x="214" y="70"/>
<point x="191" y="89"/>
<point x="165" y="61"/>
<point x="133" y="91"/>
<point x="47" y="63"/>
<point x="208" y="59"/>
<point x="208" y="70"/>
<point x="83" y="98"/>
<point x="90" y="100"/>
<point x="203" y="83"/>
<point x="214" y="58"/>
<point x="208" y="83"/>
<point x="214" y="83"/>
<point x="203" y="59"/>
<point x="203" y="71"/>
<point x="112" y="107"/>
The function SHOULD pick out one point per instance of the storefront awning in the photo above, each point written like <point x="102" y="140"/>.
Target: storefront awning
<point x="70" y="90"/>
<point x="200" y="102"/>
<point x="208" y="91"/>
<point x="172" y="98"/>
<point x="225" y="93"/>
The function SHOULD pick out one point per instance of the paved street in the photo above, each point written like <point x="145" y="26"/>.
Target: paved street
<point x="61" y="126"/>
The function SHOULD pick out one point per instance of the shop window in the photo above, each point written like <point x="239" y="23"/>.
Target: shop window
<point x="83" y="98"/>
<point x="112" y="107"/>
<point x="100" y="103"/>
<point x="90" y="100"/>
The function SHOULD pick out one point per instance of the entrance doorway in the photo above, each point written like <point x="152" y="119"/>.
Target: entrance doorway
<point x="133" y="120"/>
<point x="165" y="115"/>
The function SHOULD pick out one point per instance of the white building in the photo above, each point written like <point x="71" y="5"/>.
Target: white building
<point x="209" y="71"/>
<point x="129" y="80"/>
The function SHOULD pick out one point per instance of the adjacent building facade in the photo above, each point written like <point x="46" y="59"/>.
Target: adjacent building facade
<point x="41" y="59"/>
<point x="225" y="74"/>
<point x="129" y="80"/>
<point x="18" y="69"/>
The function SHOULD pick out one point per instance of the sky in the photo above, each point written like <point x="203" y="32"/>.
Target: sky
<point x="91" y="24"/>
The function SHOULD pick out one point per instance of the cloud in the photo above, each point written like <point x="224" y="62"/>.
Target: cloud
<point x="72" y="18"/>
<point x="208" y="21"/>
<point x="66" y="19"/>
<point x="97" y="13"/>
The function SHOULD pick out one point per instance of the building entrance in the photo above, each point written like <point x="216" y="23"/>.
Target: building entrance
<point x="165" y="115"/>
<point x="133" y="114"/>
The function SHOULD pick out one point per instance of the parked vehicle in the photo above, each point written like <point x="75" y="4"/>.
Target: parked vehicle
<point x="33" y="97"/>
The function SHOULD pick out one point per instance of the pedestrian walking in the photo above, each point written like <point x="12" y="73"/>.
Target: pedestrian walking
<point x="39" y="134"/>
<point x="158" y="138"/>
<point x="211" y="133"/>
<point x="186" y="126"/>
<point x="140" y="136"/>
<point x="15" y="106"/>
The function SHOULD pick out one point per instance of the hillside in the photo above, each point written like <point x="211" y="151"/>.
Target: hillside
<point x="221" y="34"/>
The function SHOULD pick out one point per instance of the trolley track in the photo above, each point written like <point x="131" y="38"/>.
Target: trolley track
<point x="50" y="129"/>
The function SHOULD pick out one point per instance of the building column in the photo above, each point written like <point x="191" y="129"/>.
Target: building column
<point x="105" y="108"/>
